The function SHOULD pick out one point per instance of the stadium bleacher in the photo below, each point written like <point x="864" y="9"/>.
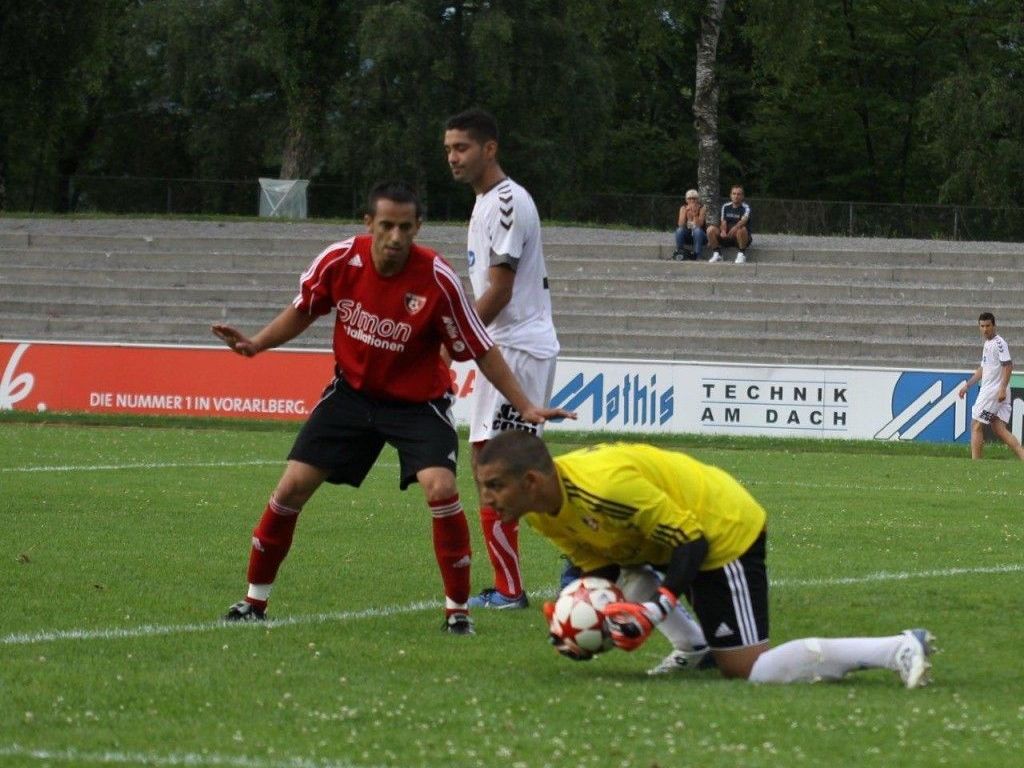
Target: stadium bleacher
<point x="615" y="293"/>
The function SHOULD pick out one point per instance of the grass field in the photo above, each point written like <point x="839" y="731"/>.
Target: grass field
<point x="123" y="544"/>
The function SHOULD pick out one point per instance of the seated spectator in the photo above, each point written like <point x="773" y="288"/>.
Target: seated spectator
<point x="733" y="228"/>
<point x="690" y="227"/>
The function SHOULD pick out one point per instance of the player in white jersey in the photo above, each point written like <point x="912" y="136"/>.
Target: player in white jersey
<point x="510" y="283"/>
<point x="993" y="404"/>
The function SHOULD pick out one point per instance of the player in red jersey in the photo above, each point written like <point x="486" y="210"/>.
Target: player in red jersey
<point x="396" y="303"/>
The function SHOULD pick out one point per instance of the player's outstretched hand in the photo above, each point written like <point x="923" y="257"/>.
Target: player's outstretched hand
<point x="235" y="340"/>
<point x="630" y="624"/>
<point x="569" y="649"/>
<point x="540" y="415"/>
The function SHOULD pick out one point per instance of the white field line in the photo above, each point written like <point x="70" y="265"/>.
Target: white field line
<point x="199" y="759"/>
<point x="150" y="465"/>
<point x="154" y="630"/>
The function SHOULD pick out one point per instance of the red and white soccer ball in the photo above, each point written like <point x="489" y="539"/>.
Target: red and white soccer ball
<point x="578" y="618"/>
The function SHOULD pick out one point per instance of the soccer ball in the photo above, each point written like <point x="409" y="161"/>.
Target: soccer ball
<point x="578" y="618"/>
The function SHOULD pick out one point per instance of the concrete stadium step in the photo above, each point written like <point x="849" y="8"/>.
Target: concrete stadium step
<point x="684" y="305"/>
<point x="185" y="299"/>
<point x="782" y="347"/>
<point x="567" y="276"/>
<point x="755" y="357"/>
<point x="190" y="331"/>
<point x="583" y="260"/>
<point x="289" y="266"/>
<point x="758" y="327"/>
<point x="723" y="345"/>
<point x="250" y="314"/>
<point x="769" y="307"/>
<point x="734" y="289"/>
<point x="49" y="294"/>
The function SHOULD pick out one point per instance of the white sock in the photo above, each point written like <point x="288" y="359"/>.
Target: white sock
<point x="260" y="591"/>
<point x="815" y="658"/>
<point x="682" y="630"/>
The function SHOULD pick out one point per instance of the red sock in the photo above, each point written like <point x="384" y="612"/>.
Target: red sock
<point x="503" y="548"/>
<point x="271" y="540"/>
<point x="451" y="547"/>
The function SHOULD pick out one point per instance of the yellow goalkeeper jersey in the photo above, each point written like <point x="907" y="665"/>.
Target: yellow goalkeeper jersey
<point x="630" y="503"/>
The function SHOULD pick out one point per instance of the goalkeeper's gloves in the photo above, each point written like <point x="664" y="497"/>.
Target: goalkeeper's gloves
<point x="630" y="624"/>
<point x="565" y="647"/>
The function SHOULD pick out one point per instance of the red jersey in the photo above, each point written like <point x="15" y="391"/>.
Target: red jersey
<point x="388" y="331"/>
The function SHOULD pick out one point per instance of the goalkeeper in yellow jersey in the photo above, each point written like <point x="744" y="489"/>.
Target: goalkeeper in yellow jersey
<point x="618" y="510"/>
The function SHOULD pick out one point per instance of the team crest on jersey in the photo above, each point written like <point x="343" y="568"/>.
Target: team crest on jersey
<point x="414" y="303"/>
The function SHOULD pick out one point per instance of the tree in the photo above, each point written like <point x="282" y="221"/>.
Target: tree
<point x="55" y="57"/>
<point x="705" y="104"/>
<point x="309" y="46"/>
<point x="974" y="116"/>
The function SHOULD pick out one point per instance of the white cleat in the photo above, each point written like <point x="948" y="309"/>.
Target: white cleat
<point x="715" y="257"/>
<point x="679" y="661"/>
<point x="912" y="657"/>
<point x="741" y="258"/>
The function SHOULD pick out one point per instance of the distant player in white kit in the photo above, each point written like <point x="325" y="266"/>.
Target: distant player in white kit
<point x="993" y="404"/>
<point x="510" y="283"/>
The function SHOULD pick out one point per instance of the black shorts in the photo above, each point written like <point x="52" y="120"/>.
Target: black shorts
<point x="347" y="430"/>
<point x="731" y="602"/>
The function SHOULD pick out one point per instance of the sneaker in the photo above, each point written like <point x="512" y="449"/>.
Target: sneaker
<point x="492" y="598"/>
<point x="679" y="660"/>
<point x="569" y="574"/>
<point x="458" y="624"/>
<point x="243" y="611"/>
<point x="679" y="256"/>
<point x="715" y="257"/>
<point x="741" y="258"/>
<point x="912" y="657"/>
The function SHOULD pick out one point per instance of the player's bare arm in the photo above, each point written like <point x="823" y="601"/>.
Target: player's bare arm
<point x="493" y="366"/>
<point x="500" y="281"/>
<point x="282" y="329"/>
<point x="975" y="378"/>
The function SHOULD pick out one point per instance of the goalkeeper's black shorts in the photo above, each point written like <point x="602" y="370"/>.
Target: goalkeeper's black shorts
<point x="731" y="602"/>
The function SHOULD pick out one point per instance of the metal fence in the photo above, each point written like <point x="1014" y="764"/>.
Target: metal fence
<point x="135" y="195"/>
<point x="818" y="217"/>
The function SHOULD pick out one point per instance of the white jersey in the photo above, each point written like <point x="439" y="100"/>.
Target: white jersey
<point x="505" y="229"/>
<point x="993" y="355"/>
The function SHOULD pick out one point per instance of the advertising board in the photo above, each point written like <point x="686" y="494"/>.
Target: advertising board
<point x="628" y="396"/>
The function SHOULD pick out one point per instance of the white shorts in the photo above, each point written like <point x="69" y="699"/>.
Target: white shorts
<point x="490" y="413"/>
<point x="988" y="407"/>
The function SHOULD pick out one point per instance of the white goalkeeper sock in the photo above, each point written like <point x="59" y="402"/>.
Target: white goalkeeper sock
<point x="682" y="630"/>
<point x="816" y="658"/>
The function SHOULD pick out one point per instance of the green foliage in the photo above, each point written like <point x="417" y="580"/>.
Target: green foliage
<point x="975" y="115"/>
<point x="134" y="541"/>
<point x="881" y="102"/>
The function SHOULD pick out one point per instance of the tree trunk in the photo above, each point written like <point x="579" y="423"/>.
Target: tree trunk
<point x="862" y="110"/>
<point x="705" y="106"/>
<point x="298" y="158"/>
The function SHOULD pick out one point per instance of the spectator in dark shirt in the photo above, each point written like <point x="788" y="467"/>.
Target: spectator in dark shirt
<point x="733" y="228"/>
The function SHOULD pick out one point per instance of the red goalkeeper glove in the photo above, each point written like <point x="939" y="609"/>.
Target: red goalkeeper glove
<point x="630" y="624"/>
